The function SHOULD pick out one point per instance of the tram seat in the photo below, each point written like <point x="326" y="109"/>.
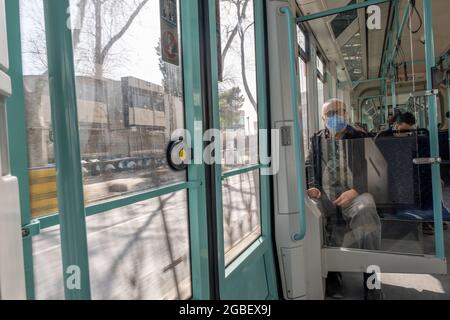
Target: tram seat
<point x="410" y="194"/>
<point x="403" y="190"/>
<point x="416" y="215"/>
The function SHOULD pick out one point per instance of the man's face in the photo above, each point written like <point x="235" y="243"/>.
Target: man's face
<point x="332" y="110"/>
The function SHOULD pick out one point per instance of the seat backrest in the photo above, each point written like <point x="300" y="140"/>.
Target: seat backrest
<point x="409" y="185"/>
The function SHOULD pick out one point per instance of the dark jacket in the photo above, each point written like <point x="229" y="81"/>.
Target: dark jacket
<point x="356" y="162"/>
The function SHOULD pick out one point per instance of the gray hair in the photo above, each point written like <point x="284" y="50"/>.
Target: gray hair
<point x="332" y="102"/>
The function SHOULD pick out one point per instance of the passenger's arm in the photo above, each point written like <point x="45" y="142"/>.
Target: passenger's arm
<point x="346" y="198"/>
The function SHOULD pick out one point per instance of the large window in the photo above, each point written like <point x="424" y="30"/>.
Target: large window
<point x="303" y="47"/>
<point x="304" y="100"/>
<point x="130" y="97"/>
<point x="238" y="106"/>
<point x="320" y="87"/>
<point x="320" y="65"/>
<point x="303" y="42"/>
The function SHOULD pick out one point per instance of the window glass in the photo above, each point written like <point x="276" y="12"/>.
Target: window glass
<point x="130" y="93"/>
<point x="238" y="101"/>
<point x="238" y="106"/>
<point x="141" y="252"/>
<point x="320" y="99"/>
<point x="320" y="67"/>
<point x="41" y="158"/>
<point x="304" y="101"/>
<point x="241" y="213"/>
<point x="47" y="265"/>
<point x="301" y="39"/>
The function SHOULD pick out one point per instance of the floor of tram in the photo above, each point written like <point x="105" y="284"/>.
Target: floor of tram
<point x="407" y="286"/>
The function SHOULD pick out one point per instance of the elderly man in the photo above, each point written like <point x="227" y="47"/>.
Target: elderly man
<point x="342" y="189"/>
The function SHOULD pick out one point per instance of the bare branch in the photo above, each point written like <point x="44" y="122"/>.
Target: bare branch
<point x="120" y="34"/>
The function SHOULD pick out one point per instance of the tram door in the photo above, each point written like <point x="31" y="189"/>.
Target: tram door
<point x="239" y="99"/>
<point x="99" y="89"/>
<point x="104" y="123"/>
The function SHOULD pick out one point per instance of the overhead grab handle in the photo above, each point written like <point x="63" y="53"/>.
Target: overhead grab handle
<point x="299" y="167"/>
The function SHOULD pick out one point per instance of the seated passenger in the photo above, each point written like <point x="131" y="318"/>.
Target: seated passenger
<point x="334" y="194"/>
<point x="404" y="124"/>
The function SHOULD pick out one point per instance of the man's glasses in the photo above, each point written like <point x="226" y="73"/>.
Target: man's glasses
<point x="333" y="113"/>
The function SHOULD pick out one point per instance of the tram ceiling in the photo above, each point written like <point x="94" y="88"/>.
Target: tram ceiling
<point x="344" y="38"/>
<point x="343" y="41"/>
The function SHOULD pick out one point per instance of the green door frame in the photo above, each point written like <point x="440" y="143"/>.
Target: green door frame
<point x="263" y="247"/>
<point x="64" y="114"/>
<point x="18" y="134"/>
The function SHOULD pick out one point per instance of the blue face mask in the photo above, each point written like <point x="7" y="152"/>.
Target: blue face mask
<point x="336" y="124"/>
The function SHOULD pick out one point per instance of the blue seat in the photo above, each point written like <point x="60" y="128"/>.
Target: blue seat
<point x="409" y="185"/>
<point x="426" y="215"/>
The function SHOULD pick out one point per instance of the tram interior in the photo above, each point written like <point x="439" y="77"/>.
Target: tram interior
<point x="379" y="75"/>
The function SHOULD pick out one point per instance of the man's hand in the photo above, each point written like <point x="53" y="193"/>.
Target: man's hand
<point x="314" y="193"/>
<point x="346" y="198"/>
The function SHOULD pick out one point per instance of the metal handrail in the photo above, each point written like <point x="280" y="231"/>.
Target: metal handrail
<point x="298" y="136"/>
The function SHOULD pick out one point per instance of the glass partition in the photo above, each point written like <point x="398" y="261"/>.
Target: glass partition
<point x="373" y="195"/>
<point x="371" y="162"/>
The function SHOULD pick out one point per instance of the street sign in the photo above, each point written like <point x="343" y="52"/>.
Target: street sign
<point x="170" y="46"/>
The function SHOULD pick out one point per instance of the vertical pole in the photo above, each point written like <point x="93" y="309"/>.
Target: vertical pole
<point x="72" y="214"/>
<point x="298" y="131"/>
<point x="393" y="93"/>
<point x="434" y="142"/>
